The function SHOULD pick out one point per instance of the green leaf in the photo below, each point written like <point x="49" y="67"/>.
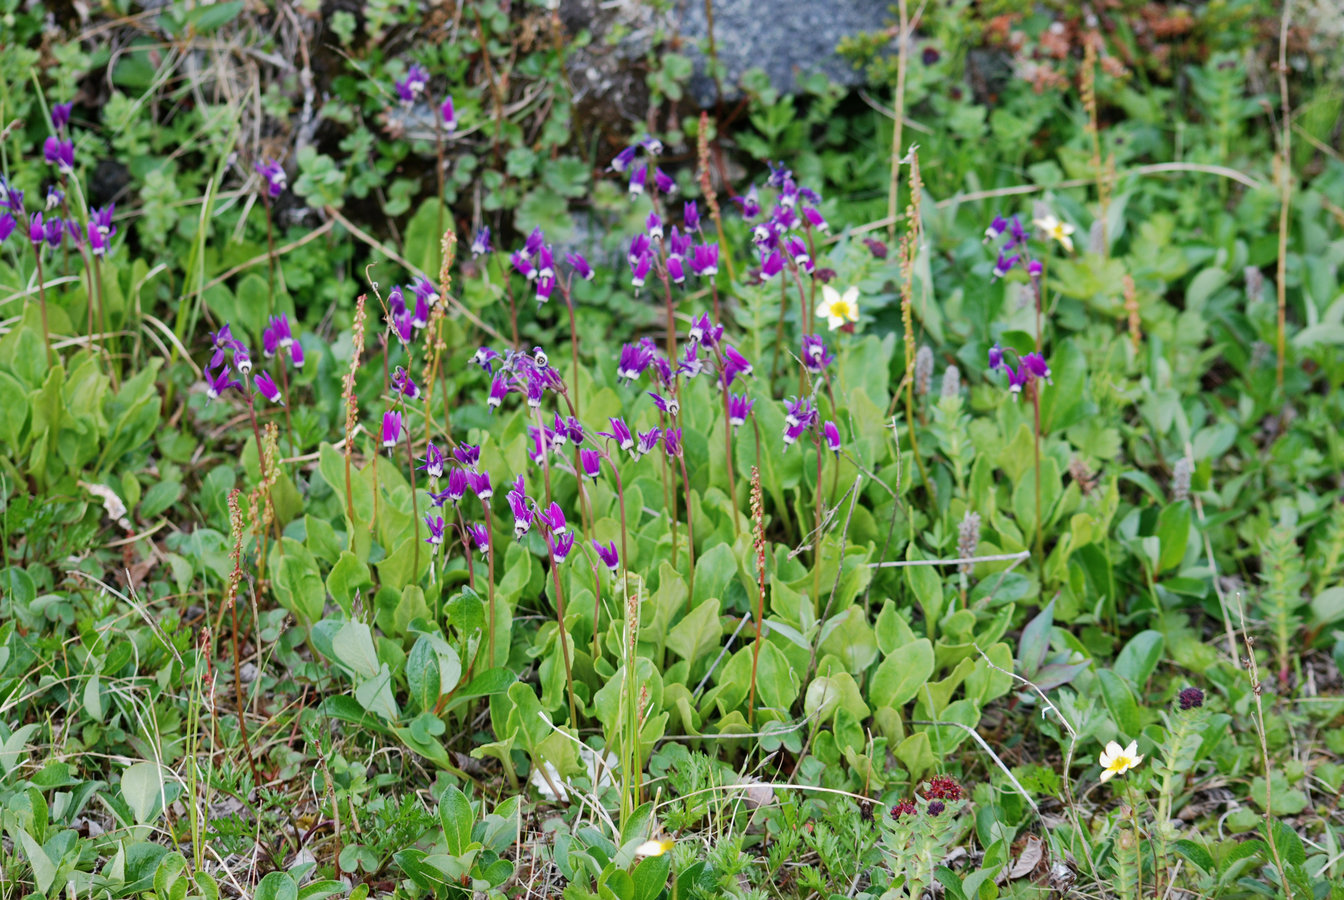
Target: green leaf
<point x="457" y="819"/>
<point x="353" y="647"/>
<point x="1138" y="660"/>
<point x="44" y="870"/>
<point x="142" y="789"/>
<point x="650" y="876"/>
<point x="697" y="634"/>
<point x="1173" y="532"/>
<point x="277" y="886"/>
<point x="900" y="676"/>
<point x="422" y="673"/>
<point x="1120" y="702"/>
<point x="349" y="575"/>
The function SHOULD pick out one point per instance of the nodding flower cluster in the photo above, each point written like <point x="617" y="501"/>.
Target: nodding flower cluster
<point x="1015" y="251"/>
<point x="776" y="236"/>
<point x="44" y="229"/>
<point x="228" y="353"/>
<point x="626" y="161"/>
<point x="408" y="317"/>
<point x="671" y="253"/>
<point x="535" y="262"/>
<point x="1030" y="367"/>
<point x="801" y="416"/>
<point x="409" y="89"/>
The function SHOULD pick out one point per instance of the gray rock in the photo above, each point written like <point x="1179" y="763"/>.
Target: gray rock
<point x="784" y="37"/>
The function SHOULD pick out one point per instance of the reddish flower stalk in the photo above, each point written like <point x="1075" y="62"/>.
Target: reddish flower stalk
<point x="758" y="519"/>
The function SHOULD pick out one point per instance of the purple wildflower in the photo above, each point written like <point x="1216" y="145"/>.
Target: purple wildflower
<point x="413" y="85"/>
<point x="60" y="154"/>
<point x="623" y="159"/>
<point x="739" y="407"/>
<point x="771" y="265"/>
<point x="480" y="244"/>
<point x="749" y="204"/>
<point x="523" y="266"/>
<point x="832" y="435"/>
<point x="553" y="519"/>
<point x="433" y="461"/>
<point x="996" y="228"/>
<point x="468" y="455"/>
<point x="216" y="383"/>
<point x="734" y="364"/>
<point x="7" y="225"/>
<point x="639" y="271"/>
<point x="672" y="442"/>
<point x="691" y="216"/>
<point x="266" y="386"/>
<point x="705" y="259"/>
<point x="402" y="381"/>
<point x="296" y="354"/>
<point x="651" y="145"/>
<point x="995" y="357"/>
<point x="1004" y="265"/>
<point x="591" y="461"/>
<point x="435" y="524"/>
<point x="481" y="536"/>
<point x="580" y="266"/>
<point x="637" y="178"/>
<point x="60" y="115"/>
<point x="522" y="514"/>
<point x="815" y="219"/>
<point x="634" y="359"/>
<point x="815" y="355"/>
<point x="448" y="114"/>
<point x="102" y="219"/>
<point x="483" y="357"/>
<point x="1036" y="365"/>
<point x="391" y="428"/>
<point x="671" y="407"/>
<point x="276" y="179"/>
<point x="457" y="484"/>
<point x="36" y="232"/>
<point x="561" y="545"/>
<point x="480" y="485"/>
<point x="620" y="433"/>
<point x="664" y="182"/>
<point x="653" y="226"/>
<point x="648" y="440"/>
<point x="607" y="553"/>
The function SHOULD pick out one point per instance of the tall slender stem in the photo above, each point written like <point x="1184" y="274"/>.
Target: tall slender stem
<point x="1036" y="411"/>
<point x="289" y="421"/>
<point x="563" y="633"/>
<point x="573" y="346"/>
<point x="690" y="532"/>
<point x="42" y="301"/>
<point x="415" y="501"/>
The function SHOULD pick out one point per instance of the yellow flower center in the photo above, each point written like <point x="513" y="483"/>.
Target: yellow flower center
<point x="1119" y="763"/>
<point x="842" y="309"/>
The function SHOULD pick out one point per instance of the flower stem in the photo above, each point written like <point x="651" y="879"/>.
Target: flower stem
<point x="1036" y="411"/>
<point x="415" y="502"/>
<point x="42" y="301"/>
<point x="563" y="634"/>
<point x="690" y="532"/>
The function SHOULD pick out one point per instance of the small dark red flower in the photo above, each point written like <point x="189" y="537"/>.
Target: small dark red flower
<point x="904" y="808"/>
<point x="1191" y="698"/>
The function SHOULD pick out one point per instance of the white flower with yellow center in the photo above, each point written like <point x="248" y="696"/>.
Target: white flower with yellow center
<point x="1117" y="760"/>
<point x="652" y="848"/>
<point x="838" y="308"/>
<point x="1058" y="230"/>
